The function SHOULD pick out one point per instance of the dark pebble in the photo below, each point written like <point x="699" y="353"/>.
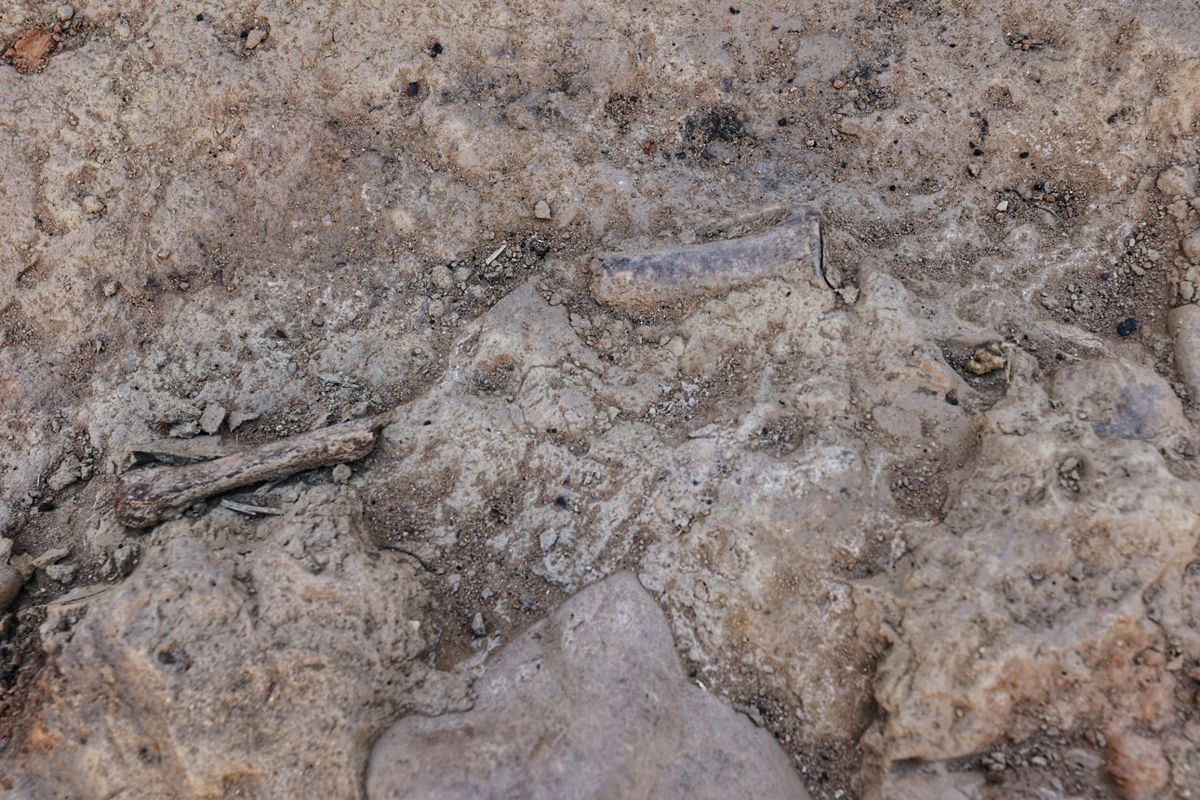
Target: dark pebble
<point x="1128" y="327"/>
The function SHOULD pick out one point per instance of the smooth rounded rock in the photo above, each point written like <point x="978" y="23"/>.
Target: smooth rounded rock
<point x="589" y="703"/>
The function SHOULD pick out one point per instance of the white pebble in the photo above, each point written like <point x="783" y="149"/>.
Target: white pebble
<point x="65" y="12"/>
<point x="211" y="419"/>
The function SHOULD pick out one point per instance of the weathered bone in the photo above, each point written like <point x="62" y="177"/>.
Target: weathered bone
<point x="648" y="281"/>
<point x="149" y="495"/>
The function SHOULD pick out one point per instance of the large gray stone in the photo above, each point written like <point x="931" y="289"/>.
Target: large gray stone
<point x="590" y="703"/>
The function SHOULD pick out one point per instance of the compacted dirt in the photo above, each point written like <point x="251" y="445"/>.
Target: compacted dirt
<point x="931" y="520"/>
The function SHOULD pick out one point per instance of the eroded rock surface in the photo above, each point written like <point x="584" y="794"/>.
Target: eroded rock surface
<point x="254" y="665"/>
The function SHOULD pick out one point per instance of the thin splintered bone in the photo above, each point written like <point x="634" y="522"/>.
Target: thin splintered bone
<point x="649" y="281"/>
<point x="246" y="508"/>
<point x="150" y="495"/>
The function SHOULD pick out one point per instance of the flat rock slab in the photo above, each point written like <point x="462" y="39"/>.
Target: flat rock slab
<point x="590" y="703"/>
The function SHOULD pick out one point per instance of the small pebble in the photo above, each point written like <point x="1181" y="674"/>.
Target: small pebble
<point x="61" y="573"/>
<point x="110" y="288"/>
<point x="65" y="12"/>
<point x="341" y="474"/>
<point x="478" y="626"/>
<point x="211" y="419"/>
<point x="1191" y="246"/>
<point x="1002" y="206"/>
<point x="547" y="539"/>
<point x="92" y="204"/>
<point x="443" y="278"/>
<point x="255" y="37"/>
<point x="1127" y="327"/>
<point x="541" y="210"/>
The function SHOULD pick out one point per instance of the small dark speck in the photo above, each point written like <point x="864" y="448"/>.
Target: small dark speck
<point x="199" y="18"/>
<point x="435" y="49"/>
<point x="782" y="122"/>
<point x="952" y="398"/>
<point x="892" y="188"/>
<point x="977" y="152"/>
<point x="281" y="333"/>
<point x="427" y="422"/>
<point x="413" y="89"/>
<point x="1111" y="119"/>
<point x="952" y="44"/>
<point x="1023" y="154"/>
<point x="733" y="10"/>
<point x="45" y="505"/>
<point x="1127" y="327"/>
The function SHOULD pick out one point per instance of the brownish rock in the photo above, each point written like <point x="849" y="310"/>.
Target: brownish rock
<point x="1136" y="765"/>
<point x="31" y="50"/>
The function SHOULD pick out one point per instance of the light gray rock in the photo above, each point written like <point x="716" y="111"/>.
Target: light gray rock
<point x="589" y="703"/>
<point x="1184" y="324"/>
<point x="211" y="419"/>
<point x="1176" y="181"/>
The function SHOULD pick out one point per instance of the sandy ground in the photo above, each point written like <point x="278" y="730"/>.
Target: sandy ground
<point x="932" y="522"/>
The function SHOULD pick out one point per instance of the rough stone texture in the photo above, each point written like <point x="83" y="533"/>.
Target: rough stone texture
<point x="849" y="530"/>
<point x="1137" y="766"/>
<point x="1054" y="589"/>
<point x="234" y="661"/>
<point x="589" y="703"/>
